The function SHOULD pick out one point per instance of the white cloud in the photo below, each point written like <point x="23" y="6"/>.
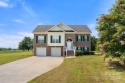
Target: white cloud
<point x="93" y="29"/>
<point x="27" y="8"/>
<point x="4" y="4"/>
<point x="39" y="23"/>
<point x="27" y="34"/>
<point x="14" y="3"/>
<point x="19" y="21"/>
<point x="30" y="11"/>
<point x="7" y="3"/>
<point x="12" y="41"/>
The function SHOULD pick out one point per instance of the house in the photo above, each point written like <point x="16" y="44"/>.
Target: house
<point x="61" y="39"/>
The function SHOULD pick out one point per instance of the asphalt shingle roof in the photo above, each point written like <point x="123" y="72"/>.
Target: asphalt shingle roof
<point x="77" y="28"/>
<point x="80" y="28"/>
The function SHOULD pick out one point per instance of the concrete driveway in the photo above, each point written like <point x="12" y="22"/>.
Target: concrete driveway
<point x="23" y="70"/>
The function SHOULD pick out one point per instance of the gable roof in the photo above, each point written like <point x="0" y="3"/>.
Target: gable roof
<point x="76" y="28"/>
<point x="55" y="28"/>
<point x="65" y="27"/>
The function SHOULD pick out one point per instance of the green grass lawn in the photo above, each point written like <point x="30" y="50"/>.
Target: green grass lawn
<point x="9" y="56"/>
<point x="83" y="69"/>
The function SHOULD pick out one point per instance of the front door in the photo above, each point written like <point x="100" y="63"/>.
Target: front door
<point x="69" y="45"/>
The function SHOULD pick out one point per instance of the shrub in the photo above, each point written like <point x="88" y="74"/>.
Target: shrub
<point x="86" y="53"/>
<point x="79" y="52"/>
<point x="92" y="53"/>
<point x="122" y="61"/>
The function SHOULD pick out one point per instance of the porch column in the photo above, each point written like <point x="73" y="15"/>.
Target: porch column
<point x="74" y="49"/>
<point x="74" y="52"/>
<point x="66" y="52"/>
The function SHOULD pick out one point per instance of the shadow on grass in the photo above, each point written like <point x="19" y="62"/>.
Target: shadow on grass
<point x="115" y="65"/>
<point x="87" y="55"/>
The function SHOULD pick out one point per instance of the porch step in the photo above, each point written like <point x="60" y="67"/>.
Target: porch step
<point x="71" y="57"/>
<point x="70" y="53"/>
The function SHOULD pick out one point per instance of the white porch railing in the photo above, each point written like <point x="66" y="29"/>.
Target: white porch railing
<point x="74" y="50"/>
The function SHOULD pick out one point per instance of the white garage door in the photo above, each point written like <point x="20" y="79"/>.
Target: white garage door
<point x="40" y="51"/>
<point x="56" y="51"/>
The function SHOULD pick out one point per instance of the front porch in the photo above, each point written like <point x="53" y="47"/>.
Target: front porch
<point x="69" y="49"/>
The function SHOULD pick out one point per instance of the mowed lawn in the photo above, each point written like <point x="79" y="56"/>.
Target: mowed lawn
<point x="83" y="69"/>
<point x="9" y="56"/>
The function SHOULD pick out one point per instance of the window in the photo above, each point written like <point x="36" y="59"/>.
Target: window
<point x="86" y="48"/>
<point x="85" y="37"/>
<point x="79" y="38"/>
<point x="82" y="38"/>
<point x="40" y="39"/>
<point x="55" y="39"/>
<point x="79" y="48"/>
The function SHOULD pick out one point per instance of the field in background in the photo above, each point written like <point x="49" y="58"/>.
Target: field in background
<point x="12" y="55"/>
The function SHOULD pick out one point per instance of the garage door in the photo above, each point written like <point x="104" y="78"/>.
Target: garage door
<point x="41" y="51"/>
<point x="55" y="51"/>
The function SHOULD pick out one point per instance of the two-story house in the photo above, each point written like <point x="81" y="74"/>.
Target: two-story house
<point x="54" y="40"/>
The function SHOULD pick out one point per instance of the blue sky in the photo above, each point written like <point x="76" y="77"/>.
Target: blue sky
<point x="18" y="18"/>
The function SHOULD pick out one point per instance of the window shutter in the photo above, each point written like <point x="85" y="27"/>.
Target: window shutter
<point x="87" y="38"/>
<point x="83" y="48"/>
<point x="83" y="38"/>
<point x="76" y="48"/>
<point x="37" y="39"/>
<point x="77" y="38"/>
<point x="88" y="49"/>
<point x="44" y="39"/>
<point x="59" y="39"/>
<point x="51" y="39"/>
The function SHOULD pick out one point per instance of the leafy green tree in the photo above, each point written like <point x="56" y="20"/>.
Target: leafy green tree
<point x="93" y="43"/>
<point x="26" y="44"/>
<point x="111" y="29"/>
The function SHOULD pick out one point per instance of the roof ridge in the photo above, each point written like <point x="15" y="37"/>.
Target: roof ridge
<point x="54" y="25"/>
<point x="76" y="25"/>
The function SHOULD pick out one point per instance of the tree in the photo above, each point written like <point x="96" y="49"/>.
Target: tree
<point x="111" y="29"/>
<point x="93" y="43"/>
<point x="26" y="44"/>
